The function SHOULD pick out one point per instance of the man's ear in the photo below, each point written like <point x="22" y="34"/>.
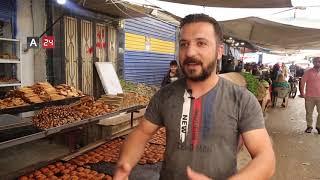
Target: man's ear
<point x="220" y="50"/>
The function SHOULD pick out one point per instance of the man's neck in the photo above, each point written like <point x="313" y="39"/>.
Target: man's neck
<point x="199" y="88"/>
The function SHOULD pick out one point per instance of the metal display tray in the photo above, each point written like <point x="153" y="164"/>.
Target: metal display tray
<point x="47" y="132"/>
<point x="38" y="106"/>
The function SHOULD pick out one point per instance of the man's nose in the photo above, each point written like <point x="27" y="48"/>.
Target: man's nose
<point x="191" y="51"/>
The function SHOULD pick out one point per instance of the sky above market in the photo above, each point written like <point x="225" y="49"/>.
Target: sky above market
<point x="306" y="13"/>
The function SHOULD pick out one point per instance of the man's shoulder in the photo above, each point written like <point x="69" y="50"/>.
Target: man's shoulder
<point x="172" y="87"/>
<point x="309" y="71"/>
<point x="233" y="89"/>
<point x="230" y="85"/>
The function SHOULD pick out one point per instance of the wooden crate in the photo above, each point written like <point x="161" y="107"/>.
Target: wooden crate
<point x="108" y="131"/>
<point x="118" y="124"/>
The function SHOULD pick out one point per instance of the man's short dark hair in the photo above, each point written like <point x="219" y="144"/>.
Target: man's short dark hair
<point x="193" y="18"/>
<point x="173" y="63"/>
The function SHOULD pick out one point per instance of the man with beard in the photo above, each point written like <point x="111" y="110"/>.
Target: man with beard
<point x="204" y="115"/>
<point x="311" y="78"/>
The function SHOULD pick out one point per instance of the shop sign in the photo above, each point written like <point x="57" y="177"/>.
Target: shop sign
<point x="48" y="42"/>
<point x="33" y="42"/>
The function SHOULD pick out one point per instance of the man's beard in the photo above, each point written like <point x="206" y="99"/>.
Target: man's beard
<point x="205" y="71"/>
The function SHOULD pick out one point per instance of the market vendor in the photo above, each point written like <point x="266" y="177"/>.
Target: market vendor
<point x="204" y="115"/>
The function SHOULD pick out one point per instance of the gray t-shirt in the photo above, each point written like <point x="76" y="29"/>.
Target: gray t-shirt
<point x="203" y="133"/>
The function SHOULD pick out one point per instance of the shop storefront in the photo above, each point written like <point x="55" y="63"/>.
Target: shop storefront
<point x="149" y="48"/>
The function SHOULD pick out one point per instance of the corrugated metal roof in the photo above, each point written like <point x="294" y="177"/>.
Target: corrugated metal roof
<point x="146" y="67"/>
<point x="151" y="27"/>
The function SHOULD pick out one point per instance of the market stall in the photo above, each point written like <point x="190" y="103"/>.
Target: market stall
<point x="99" y="163"/>
<point x="272" y="35"/>
<point x="260" y="88"/>
<point x="70" y="118"/>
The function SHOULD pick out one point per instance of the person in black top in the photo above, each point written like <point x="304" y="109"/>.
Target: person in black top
<point x="299" y="74"/>
<point x="172" y="75"/>
<point x="293" y="70"/>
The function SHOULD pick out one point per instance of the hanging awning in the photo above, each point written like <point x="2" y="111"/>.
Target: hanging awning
<point x="237" y="3"/>
<point x="126" y="10"/>
<point x="114" y="9"/>
<point x="272" y="35"/>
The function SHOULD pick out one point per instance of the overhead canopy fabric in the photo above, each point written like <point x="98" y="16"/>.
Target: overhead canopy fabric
<point x="115" y="10"/>
<point x="237" y="3"/>
<point x="271" y="34"/>
<point x="120" y="10"/>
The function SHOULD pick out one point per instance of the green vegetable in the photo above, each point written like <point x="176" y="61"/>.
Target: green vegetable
<point x="265" y="83"/>
<point x="252" y="83"/>
<point x="139" y="88"/>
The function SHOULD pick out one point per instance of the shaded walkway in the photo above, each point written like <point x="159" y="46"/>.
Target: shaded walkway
<point x="297" y="153"/>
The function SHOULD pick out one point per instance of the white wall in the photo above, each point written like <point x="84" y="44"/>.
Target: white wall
<point x="30" y="73"/>
<point x="40" y="20"/>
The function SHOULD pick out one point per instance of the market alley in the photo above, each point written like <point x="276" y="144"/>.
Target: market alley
<point x="297" y="153"/>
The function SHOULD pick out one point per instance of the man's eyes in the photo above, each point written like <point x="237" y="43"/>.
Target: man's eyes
<point x="201" y="43"/>
<point x="183" y="44"/>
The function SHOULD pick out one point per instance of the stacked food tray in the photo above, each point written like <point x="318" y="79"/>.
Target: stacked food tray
<point x="39" y="93"/>
<point x="100" y="162"/>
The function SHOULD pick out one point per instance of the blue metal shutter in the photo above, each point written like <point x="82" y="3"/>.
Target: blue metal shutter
<point x="144" y="67"/>
<point x="151" y="27"/>
<point x="148" y="66"/>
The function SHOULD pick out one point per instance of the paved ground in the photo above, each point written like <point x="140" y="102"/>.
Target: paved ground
<point x="297" y="153"/>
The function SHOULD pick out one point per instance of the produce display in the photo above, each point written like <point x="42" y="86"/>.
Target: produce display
<point x="265" y="83"/>
<point x="132" y="99"/>
<point x="109" y="152"/>
<point x="38" y="93"/>
<point x="46" y="92"/>
<point x="125" y="100"/>
<point x="86" y="107"/>
<point x="11" y="102"/>
<point x="139" y="88"/>
<point x="79" y="167"/>
<point x="252" y="82"/>
<point x="258" y="88"/>
<point x="25" y="93"/>
<point x="68" y="91"/>
<point x="261" y="91"/>
<point x="159" y="137"/>
<point x="8" y="56"/>
<point x="59" y="115"/>
<point x="8" y="80"/>
<point x="115" y="100"/>
<point x="65" y="171"/>
<point x="134" y="94"/>
<point x="153" y="153"/>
